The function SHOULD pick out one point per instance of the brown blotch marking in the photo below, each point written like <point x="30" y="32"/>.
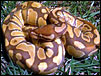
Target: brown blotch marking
<point x="32" y="16"/>
<point x="85" y="37"/>
<point x="57" y="59"/>
<point x="45" y="16"/>
<point x="69" y="18"/>
<point x="10" y="53"/>
<point x="50" y="71"/>
<point x="49" y="52"/>
<point x="42" y="66"/>
<point x="48" y="44"/>
<point x="53" y="12"/>
<point x="78" y="23"/>
<point x="97" y="39"/>
<point x="17" y="33"/>
<point x="79" y="44"/>
<point x="54" y="21"/>
<point x="92" y="52"/>
<point x="70" y="31"/>
<point x="19" y="63"/>
<point x="36" y="5"/>
<point x="76" y="53"/>
<point x="43" y="11"/>
<point x="40" y="53"/>
<point x="41" y="21"/>
<point x="16" y="40"/>
<point x="60" y="29"/>
<point x="6" y="42"/>
<point x="18" y="56"/>
<point x="77" y="32"/>
<point x="30" y="49"/>
<point x="4" y="27"/>
<point x="12" y="26"/>
<point x="58" y="41"/>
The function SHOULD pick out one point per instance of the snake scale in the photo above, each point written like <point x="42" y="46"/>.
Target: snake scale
<point x="37" y="37"/>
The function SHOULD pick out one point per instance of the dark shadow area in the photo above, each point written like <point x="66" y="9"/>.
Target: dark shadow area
<point x="3" y="48"/>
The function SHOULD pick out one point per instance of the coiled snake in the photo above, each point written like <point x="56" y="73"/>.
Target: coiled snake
<point x="37" y="38"/>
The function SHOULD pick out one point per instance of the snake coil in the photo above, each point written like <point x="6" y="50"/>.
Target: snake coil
<point x="37" y="38"/>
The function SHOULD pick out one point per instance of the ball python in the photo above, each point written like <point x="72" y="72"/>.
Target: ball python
<point x="37" y="38"/>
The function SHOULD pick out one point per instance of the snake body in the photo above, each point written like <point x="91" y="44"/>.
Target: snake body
<point x="37" y="38"/>
<point x="82" y="39"/>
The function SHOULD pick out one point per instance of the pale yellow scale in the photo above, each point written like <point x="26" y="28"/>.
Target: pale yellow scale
<point x="6" y="42"/>
<point x="97" y="39"/>
<point x="49" y="52"/>
<point x="79" y="44"/>
<point x="77" y="32"/>
<point x="45" y="16"/>
<point x="60" y="29"/>
<point x="10" y="53"/>
<point x="31" y="50"/>
<point x="70" y="31"/>
<point x="43" y="10"/>
<point x="70" y="19"/>
<point x="14" y="41"/>
<point x="4" y="27"/>
<point x="19" y="15"/>
<point x="48" y="44"/>
<point x="32" y="17"/>
<point x="55" y="11"/>
<point x="78" y="23"/>
<point x="36" y="5"/>
<point x="13" y="26"/>
<point x="16" y="20"/>
<point x="19" y="56"/>
<point x="57" y="59"/>
<point x="40" y="53"/>
<point x="17" y="33"/>
<point x="42" y="66"/>
<point x="41" y="21"/>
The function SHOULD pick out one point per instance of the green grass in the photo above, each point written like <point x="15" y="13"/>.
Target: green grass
<point x="89" y="10"/>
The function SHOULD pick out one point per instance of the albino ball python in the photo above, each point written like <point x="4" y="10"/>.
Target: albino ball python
<point x="36" y="37"/>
